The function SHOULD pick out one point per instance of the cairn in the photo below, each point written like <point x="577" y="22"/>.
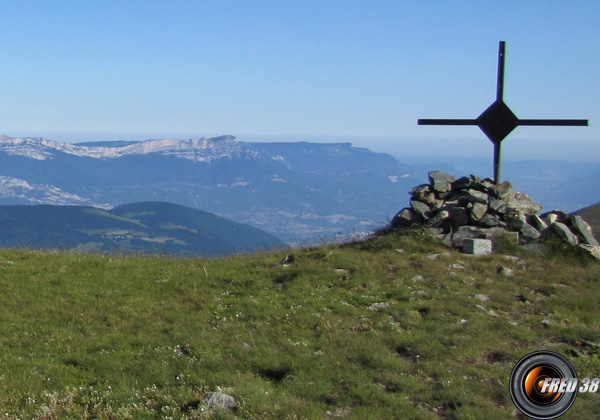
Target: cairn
<point x="474" y="208"/>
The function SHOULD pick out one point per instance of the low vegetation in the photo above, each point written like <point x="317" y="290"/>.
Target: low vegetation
<point x="392" y="327"/>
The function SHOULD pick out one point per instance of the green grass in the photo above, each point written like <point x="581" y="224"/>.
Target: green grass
<point x="344" y="331"/>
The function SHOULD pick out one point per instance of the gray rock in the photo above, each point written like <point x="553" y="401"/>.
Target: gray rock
<point x="515" y="218"/>
<point x="421" y="209"/>
<point x="462" y="183"/>
<point x="554" y="216"/>
<point x="46" y="410"/>
<point x="447" y="240"/>
<point x="406" y="218"/>
<point x="522" y="203"/>
<point x="475" y="196"/>
<point x="454" y="201"/>
<point x="501" y="190"/>
<point x="497" y="232"/>
<point x="488" y="182"/>
<point x="498" y="206"/>
<point x="437" y="256"/>
<point x="219" y="400"/>
<point x="440" y="181"/>
<point x="593" y="251"/>
<point x="528" y="232"/>
<point x="582" y="230"/>
<point x="433" y="231"/>
<point x="420" y="191"/>
<point x="550" y="218"/>
<point x="423" y="193"/>
<point x="537" y="222"/>
<point x="563" y="232"/>
<point x="466" y="232"/>
<point x="477" y="246"/>
<point x="505" y="271"/>
<point x="457" y="266"/>
<point x="490" y="220"/>
<point x="438" y="203"/>
<point x="481" y="297"/>
<point x="465" y="183"/>
<point x="478" y="210"/>
<point x="379" y="305"/>
<point x="339" y="413"/>
<point x="439" y="218"/>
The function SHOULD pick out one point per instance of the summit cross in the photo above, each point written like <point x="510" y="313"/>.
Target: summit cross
<point x="497" y="121"/>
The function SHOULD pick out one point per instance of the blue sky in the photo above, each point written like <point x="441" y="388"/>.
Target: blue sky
<point x="289" y="70"/>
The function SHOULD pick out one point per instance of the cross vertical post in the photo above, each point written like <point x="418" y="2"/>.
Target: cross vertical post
<point x="499" y="98"/>
<point x="500" y="82"/>
<point x="497" y="168"/>
<point x="498" y="121"/>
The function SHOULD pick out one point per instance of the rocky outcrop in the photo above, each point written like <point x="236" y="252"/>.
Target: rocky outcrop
<point x="474" y="208"/>
<point x="220" y="401"/>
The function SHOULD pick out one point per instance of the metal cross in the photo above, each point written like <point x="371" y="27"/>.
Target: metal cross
<point x="497" y="121"/>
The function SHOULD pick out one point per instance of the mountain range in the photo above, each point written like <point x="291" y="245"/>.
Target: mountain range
<point x="148" y="227"/>
<point x="299" y="192"/>
<point x="292" y="190"/>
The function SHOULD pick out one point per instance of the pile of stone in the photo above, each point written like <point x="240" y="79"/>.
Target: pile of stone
<point x="471" y="207"/>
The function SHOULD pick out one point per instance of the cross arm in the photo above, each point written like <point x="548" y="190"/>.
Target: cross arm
<point x="580" y="123"/>
<point x="446" y="122"/>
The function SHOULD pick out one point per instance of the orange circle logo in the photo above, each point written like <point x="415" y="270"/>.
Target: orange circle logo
<point x="543" y="385"/>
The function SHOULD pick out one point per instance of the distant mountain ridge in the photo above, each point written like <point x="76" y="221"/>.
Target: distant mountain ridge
<point x="148" y="227"/>
<point x="293" y="190"/>
<point x="202" y="149"/>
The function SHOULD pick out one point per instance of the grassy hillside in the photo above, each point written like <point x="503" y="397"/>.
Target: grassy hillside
<point x="147" y="227"/>
<point x="387" y="328"/>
